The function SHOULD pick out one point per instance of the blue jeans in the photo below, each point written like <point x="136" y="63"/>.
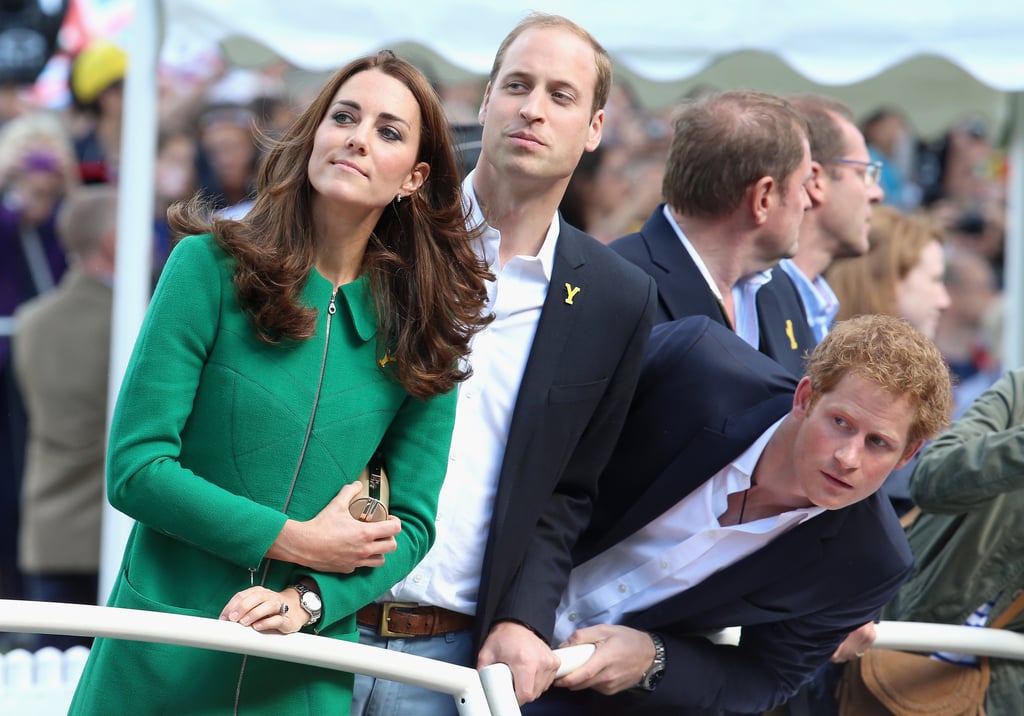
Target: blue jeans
<point x="379" y="697"/>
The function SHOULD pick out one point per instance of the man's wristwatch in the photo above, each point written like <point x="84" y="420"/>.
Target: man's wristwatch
<point x="649" y="681"/>
<point x="310" y="601"/>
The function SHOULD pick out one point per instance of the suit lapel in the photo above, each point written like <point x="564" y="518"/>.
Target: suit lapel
<point x="779" y="335"/>
<point x="690" y="468"/>
<point x="681" y="286"/>
<point x="566" y="303"/>
<point x="707" y="452"/>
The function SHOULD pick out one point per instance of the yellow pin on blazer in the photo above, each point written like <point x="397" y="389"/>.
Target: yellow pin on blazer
<point x="791" y="335"/>
<point x="388" y="358"/>
<point x="570" y="293"/>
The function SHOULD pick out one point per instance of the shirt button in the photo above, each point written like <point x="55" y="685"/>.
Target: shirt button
<point x="573" y="617"/>
<point x="664" y="564"/>
<point x="417" y="579"/>
<point x="623" y="588"/>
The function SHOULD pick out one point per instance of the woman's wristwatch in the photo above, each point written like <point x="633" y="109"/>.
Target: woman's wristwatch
<point x="649" y="681"/>
<point x="310" y="601"/>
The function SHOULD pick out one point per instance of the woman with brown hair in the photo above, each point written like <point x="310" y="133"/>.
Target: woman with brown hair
<point x="280" y="353"/>
<point x="900" y="275"/>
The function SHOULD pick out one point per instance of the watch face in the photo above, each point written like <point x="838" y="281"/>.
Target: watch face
<point x="311" y="601"/>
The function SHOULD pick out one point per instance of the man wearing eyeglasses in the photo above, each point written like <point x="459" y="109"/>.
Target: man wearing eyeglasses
<point x="842" y="188"/>
<point x="735" y="198"/>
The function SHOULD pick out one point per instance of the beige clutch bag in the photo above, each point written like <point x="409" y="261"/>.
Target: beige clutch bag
<point x="371" y="504"/>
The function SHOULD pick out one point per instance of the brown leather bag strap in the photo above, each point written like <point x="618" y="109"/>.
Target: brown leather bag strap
<point x="1015" y="608"/>
<point x="910" y="517"/>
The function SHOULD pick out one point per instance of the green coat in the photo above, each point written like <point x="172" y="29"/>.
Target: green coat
<point x="205" y="441"/>
<point x="968" y="543"/>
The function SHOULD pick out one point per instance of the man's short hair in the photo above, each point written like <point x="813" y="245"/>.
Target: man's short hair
<point x="87" y="215"/>
<point x="540" y="20"/>
<point x="891" y="353"/>
<point x="823" y="129"/>
<point x="724" y="142"/>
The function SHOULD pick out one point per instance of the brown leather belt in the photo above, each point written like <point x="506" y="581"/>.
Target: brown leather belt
<point x="399" y="619"/>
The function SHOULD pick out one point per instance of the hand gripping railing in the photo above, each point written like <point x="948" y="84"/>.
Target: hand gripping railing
<point x="485" y="693"/>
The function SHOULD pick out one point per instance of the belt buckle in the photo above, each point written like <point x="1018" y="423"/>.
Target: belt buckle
<point x="385" y="614"/>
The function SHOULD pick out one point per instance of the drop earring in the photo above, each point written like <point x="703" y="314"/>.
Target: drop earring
<point x="398" y="198"/>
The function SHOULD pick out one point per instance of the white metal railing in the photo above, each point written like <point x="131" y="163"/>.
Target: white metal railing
<point x="465" y="685"/>
<point x="927" y="637"/>
<point x="43" y="683"/>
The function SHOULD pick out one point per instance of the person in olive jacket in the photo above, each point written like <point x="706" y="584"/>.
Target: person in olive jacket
<point x="968" y="540"/>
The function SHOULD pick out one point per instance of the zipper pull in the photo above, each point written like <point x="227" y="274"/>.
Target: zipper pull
<point x="332" y="308"/>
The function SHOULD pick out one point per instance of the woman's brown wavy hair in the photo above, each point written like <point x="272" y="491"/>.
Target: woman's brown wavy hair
<point x="426" y="279"/>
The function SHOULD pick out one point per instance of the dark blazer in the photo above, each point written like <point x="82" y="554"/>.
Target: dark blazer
<point x="704" y="396"/>
<point x="682" y="291"/>
<point x="576" y="388"/>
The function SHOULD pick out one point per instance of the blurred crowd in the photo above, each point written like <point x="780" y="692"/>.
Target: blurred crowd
<point x="212" y="131"/>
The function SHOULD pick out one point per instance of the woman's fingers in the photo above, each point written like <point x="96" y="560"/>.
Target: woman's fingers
<point x="264" y="610"/>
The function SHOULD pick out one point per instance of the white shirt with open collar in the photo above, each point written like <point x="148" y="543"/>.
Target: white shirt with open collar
<point x="673" y="552"/>
<point x="449" y="576"/>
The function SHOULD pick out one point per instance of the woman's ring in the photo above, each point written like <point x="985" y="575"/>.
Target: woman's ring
<point x="283" y="610"/>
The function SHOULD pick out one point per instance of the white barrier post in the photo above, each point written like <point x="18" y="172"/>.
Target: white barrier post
<point x="500" y="691"/>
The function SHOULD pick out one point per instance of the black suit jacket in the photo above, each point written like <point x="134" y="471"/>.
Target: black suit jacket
<point x="579" y="378"/>
<point x="703" y="398"/>
<point x="682" y="291"/>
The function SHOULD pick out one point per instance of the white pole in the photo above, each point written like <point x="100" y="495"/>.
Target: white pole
<point x="501" y="693"/>
<point x="1013" y="265"/>
<point x="133" y="269"/>
<point x="925" y="637"/>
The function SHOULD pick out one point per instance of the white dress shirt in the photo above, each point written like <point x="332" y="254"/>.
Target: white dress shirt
<point x="744" y="291"/>
<point x="675" y="551"/>
<point x="449" y="576"/>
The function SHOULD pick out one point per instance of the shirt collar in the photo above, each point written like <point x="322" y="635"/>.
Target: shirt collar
<point x="692" y="252"/>
<point x="744" y="464"/>
<point x="490" y="238"/>
<point x="355" y="297"/>
<point x="360" y="305"/>
<point x="825" y="301"/>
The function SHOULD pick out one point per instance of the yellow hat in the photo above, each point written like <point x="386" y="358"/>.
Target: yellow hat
<point x="95" y="68"/>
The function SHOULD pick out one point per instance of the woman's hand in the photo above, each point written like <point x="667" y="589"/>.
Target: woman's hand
<point x="266" y="610"/>
<point x="335" y="541"/>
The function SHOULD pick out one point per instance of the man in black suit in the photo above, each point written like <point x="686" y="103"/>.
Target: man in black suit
<point x="738" y="496"/>
<point x="553" y="377"/>
<point x="735" y="196"/>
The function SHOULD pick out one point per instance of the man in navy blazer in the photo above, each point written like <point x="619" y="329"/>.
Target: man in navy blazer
<point x="737" y="496"/>
<point x="735" y="197"/>
<point x="553" y="376"/>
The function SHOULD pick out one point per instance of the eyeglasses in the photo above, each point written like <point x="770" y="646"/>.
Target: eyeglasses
<point x="872" y="170"/>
